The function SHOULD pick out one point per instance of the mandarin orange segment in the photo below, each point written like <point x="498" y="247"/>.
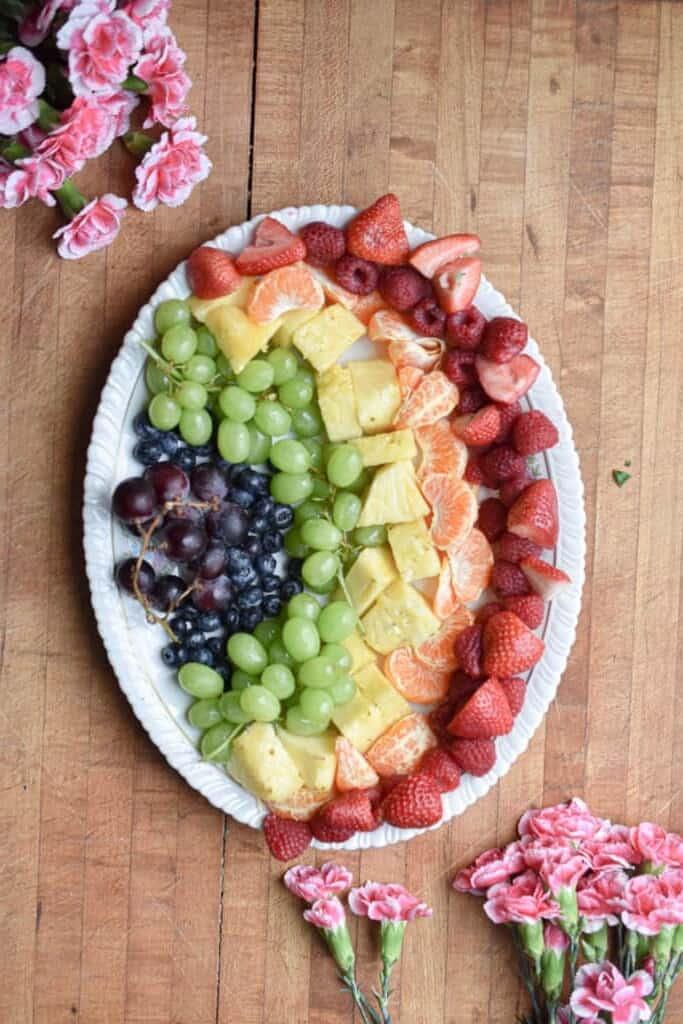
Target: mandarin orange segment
<point x="434" y="397"/>
<point x="401" y="747"/>
<point x="424" y="354"/>
<point x="353" y="771"/>
<point x="409" y="378"/>
<point x="454" y="509"/>
<point x="442" y="451"/>
<point x="367" y="305"/>
<point x="471" y="564"/>
<point x="280" y="291"/>
<point x="387" y="325"/>
<point x="414" y="679"/>
<point x="439" y="651"/>
<point x="445" y="602"/>
<point x="362" y="306"/>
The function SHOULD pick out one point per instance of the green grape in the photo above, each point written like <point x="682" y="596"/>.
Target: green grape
<point x="297" y="723"/>
<point x="233" y="441"/>
<point x="215" y="743"/>
<point x="294" y="546"/>
<point x="320" y="568"/>
<point x="155" y="378"/>
<point x="164" y="412"/>
<point x="231" y="707"/>
<point x="291" y="488"/>
<point x="321" y="535"/>
<point x="260" y="704"/>
<point x="344" y="465"/>
<point x="200" y="680"/>
<point x="196" y="425"/>
<point x="307" y="422"/>
<point x="200" y="369"/>
<point x="248" y="653"/>
<point x="337" y="621"/>
<point x="308" y="510"/>
<point x="172" y="313"/>
<point x="279" y="655"/>
<point x="191" y="395"/>
<point x="323" y="588"/>
<point x="361" y="482"/>
<point x="259" y="446"/>
<point x="296" y="393"/>
<point x="179" y="344"/>
<point x="346" y="510"/>
<point x="257" y="376"/>
<point x="272" y="419"/>
<point x="317" y="672"/>
<point x="321" y="489"/>
<point x="329" y="448"/>
<point x="204" y="713"/>
<point x="240" y="680"/>
<point x="343" y="689"/>
<point x="370" y="536"/>
<point x="284" y="364"/>
<point x="290" y="456"/>
<point x="306" y="373"/>
<point x="337" y="654"/>
<point x="300" y="638"/>
<point x="236" y="403"/>
<point x="267" y="630"/>
<point x="279" y="679"/>
<point x="223" y="366"/>
<point x="316" y="705"/>
<point x="315" y="451"/>
<point x="206" y="343"/>
<point x="303" y="606"/>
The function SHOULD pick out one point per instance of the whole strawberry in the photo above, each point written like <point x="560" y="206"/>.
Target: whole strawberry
<point x="285" y="837"/>
<point x="441" y="767"/>
<point x="413" y="803"/>
<point x="478" y="429"/>
<point x="503" y="463"/>
<point x="533" y="432"/>
<point x="485" y="715"/>
<point x="509" y="646"/>
<point x="212" y="273"/>
<point x="503" y="339"/>
<point x="351" y="810"/>
<point x="474" y="756"/>
<point x="377" y="233"/>
<point x="324" y="242"/>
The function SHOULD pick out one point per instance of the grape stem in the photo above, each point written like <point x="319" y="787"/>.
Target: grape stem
<point x="167" y="367"/>
<point x="345" y="590"/>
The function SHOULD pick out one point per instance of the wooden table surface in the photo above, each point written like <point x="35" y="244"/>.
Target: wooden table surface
<point x="555" y="130"/>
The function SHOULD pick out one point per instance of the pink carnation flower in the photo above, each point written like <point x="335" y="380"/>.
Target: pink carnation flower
<point x="652" y="843"/>
<point x="119" y="106"/>
<point x="103" y="43"/>
<point x="5" y="172"/>
<point x="95" y="227"/>
<point x="22" y="79"/>
<point x="390" y="902"/>
<point x="35" y="177"/>
<point x="652" y="902"/>
<point x="599" y="898"/>
<point x="148" y="13"/>
<point x="161" y="66"/>
<point x="172" y="167"/>
<point x="615" y="850"/>
<point x="490" y="868"/>
<point x="32" y="136"/>
<point x="35" y="27"/>
<point x="570" y="821"/>
<point x="86" y="130"/>
<point x="311" y="884"/>
<point x="327" y="914"/>
<point x="601" y="988"/>
<point x="522" y="901"/>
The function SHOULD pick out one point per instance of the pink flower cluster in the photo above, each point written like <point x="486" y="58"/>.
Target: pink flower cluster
<point x="311" y="884"/>
<point x="387" y="902"/>
<point x="601" y="988"/>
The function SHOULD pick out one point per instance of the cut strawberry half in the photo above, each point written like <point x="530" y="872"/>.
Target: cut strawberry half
<point x="545" y="579"/>
<point x="534" y="514"/>
<point x="378" y="234"/>
<point x="431" y="256"/>
<point x="507" y="382"/>
<point x="212" y="273"/>
<point x="273" y="246"/>
<point x="485" y="715"/>
<point x="282" y="290"/>
<point x="456" y="283"/>
<point x="480" y="428"/>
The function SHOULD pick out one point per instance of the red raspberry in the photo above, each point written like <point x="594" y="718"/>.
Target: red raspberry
<point x="502" y="463"/>
<point x="440" y="716"/>
<point x="472" y="399"/>
<point x="428" y="318"/>
<point x="469" y="649"/>
<point x="464" y="329"/>
<point x="486" y="611"/>
<point x="285" y="837"/>
<point x="458" y="365"/>
<point x="474" y="756"/>
<point x="356" y="275"/>
<point x="504" y="338"/>
<point x="413" y="803"/>
<point x="508" y="415"/>
<point x="324" y="243"/>
<point x="512" y="548"/>
<point x="511" y="489"/>
<point x="533" y="432"/>
<point x="507" y="580"/>
<point x="403" y="287"/>
<point x="441" y="767"/>
<point x="530" y="608"/>
<point x="492" y="518"/>
<point x="515" y="691"/>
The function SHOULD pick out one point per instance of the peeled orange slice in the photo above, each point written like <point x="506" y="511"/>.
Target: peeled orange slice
<point x="400" y="748"/>
<point x="442" y="451"/>
<point x="362" y="306"/>
<point x="445" y="601"/>
<point x="414" y="678"/>
<point x="388" y="325"/>
<point x="425" y="353"/>
<point x="353" y="771"/>
<point x="433" y="398"/>
<point x="471" y="564"/>
<point x="282" y="290"/>
<point x="438" y="651"/>
<point x="454" y="509"/>
<point x="409" y="378"/>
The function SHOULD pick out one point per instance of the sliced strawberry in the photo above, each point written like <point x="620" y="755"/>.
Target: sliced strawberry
<point x="507" y="382"/>
<point x="509" y="646"/>
<point x="534" y="514"/>
<point x="212" y="273"/>
<point x="378" y="234"/>
<point x="456" y="283"/>
<point x="431" y="256"/>
<point x="285" y="837"/>
<point x="469" y="650"/>
<point x="326" y="833"/>
<point x="485" y="715"/>
<point x="533" y="432"/>
<point x="477" y="757"/>
<point x="545" y="579"/>
<point x="350" y="811"/>
<point x="273" y="246"/>
<point x="441" y="767"/>
<point x="511" y="489"/>
<point x="414" y="803"/>
<point x="508" y="416"/>
<point x="479" y="428"/>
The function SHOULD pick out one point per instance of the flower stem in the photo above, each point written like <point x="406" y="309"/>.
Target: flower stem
<point x="368" y="1015"/>
<point x="384" y="993"/>
<point x="70" y="199"/>
<point x="48" y="116"/>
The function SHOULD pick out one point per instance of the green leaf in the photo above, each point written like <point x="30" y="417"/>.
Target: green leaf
<point x="620" y="477"/>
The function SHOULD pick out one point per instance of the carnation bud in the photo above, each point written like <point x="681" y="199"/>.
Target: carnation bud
<point x="678" y="939"/>
<point x="661" y="945"/>
<point x="594" y="945"/>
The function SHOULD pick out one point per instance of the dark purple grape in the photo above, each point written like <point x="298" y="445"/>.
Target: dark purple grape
<point x="213" y="595"/>
<point x="229" y="523"/>
<point x="208" y="482"/>
<point x="167" y="591"/>
<point x="134" y="500"/>
<point x="170" y="482"/>
<point x="213" y="561"/>
<point x="183" y="542"/>
<point x="126" y="571"/>
<point x="186" y="514"/>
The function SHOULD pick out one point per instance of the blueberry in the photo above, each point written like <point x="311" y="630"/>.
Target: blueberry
<point x="204" y="656"/>
<point x="265" y="563"/>
<point x="261" y="483"/>
<point x="174" y="655"/>
<point x="143" y="428"/>
<point x="169" y="443"/>
<point x="264" y="507"/>
<point x="270" y="583"/>
<point x="294" y="568"/>
<point x="202" y="451"/>
<point x="181" y="624"/>
<point x="260" y="523"/>
<point x="216" y="645"/>
<point x="283" y="516"/>
<point x="272" y="605"/>
<point x="249" y="619"/>
<point x="272" y="542"/>
<point x="250" y="480"/>
<point x="209" y="622"/>
<point x="225" y="673"/>
<point x="245" y="499"/>
<point x="231" y="620"/>
<point x="190" y="611"/>
<point x="250" y="597"/>
<point x="186" y="459"/>
<point x="237" y="559"/>
<point x="195" y="640"/>
<point x="243" y="578"/>
<point x="289" y="588"/>
<point x="148" y="452"/>
<point x="253" y="546"/>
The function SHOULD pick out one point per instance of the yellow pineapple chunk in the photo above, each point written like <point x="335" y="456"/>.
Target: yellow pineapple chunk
<point x="200" y="308"/>
<point x="383" y="448"/>
<point x="290" y="321"/>
<point x="260" y="763"/>
<point x="327" y="335"/>
<point x="338" y="404"/>
<point x="377" y="394"/>
<point x="361" y="654"/>
<point x="375" y="706"/>
<point x="414" y="553"/>
<point x="314" y="756"/>
<point x="238" y="337"/>
<point x="393" y="496"/>
<point x="372" y="571"/>
<point x="400" y="617"/>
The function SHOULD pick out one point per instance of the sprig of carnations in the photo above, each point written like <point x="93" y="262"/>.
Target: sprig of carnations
<point x="74" y="74"/>
<point x="391" y="905"/>
<point x="595" y="911"/>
